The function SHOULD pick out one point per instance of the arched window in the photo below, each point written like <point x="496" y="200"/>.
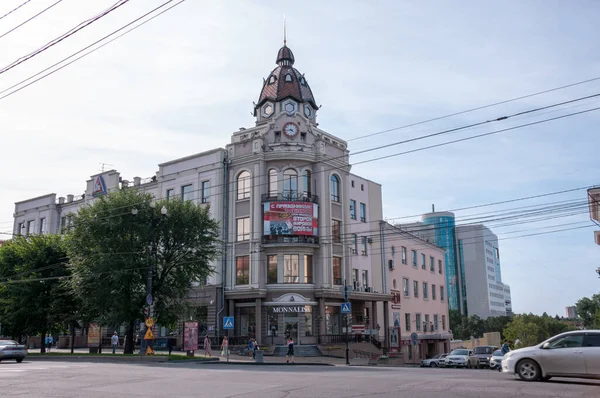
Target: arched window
<point x="306" y="177"/>
<point x="243" y="185"/>
<point x="290" y="184"/>
<point x="273" y="183"/>
<point x="335" y="188"/>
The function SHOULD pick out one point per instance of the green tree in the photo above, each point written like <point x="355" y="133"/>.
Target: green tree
<point x="114" y="242"/>
<point x="34" y="298"/>
<point x="588" y="309"/>
<point x="531" y="329"/>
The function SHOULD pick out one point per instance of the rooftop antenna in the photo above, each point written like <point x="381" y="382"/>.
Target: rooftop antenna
<point x="105" y="164"/>
<point x="433" y="208"/>
<point x="284" y="32"/>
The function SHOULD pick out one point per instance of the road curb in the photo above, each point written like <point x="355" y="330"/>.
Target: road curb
<point x="268" y="363"/>
<point x="115" y="359"/>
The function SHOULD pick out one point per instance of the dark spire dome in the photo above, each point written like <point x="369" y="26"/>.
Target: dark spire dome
<point x="285" y="81"/>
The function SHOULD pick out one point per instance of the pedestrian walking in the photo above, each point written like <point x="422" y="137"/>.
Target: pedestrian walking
<point x="49" y="341"/>
<point x="254" y="348"/>
<point x="114" y="341"/>
<point x="290" y="351"/>
<point x="207" y="351"/>
<point x="251" y="347"/>
<point x="224" y="346"/>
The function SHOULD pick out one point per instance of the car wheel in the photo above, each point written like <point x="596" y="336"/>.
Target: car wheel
<point x="528" y="370"/>
<point x="433" y="365"/>
<point x="19" y="360"/>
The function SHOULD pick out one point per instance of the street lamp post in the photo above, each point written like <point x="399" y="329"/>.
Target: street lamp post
<point x="148" y="308"/>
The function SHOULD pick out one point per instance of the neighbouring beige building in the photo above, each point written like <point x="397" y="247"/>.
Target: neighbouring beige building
<point x="492" y="338"/>
<point x="594" y="201"/>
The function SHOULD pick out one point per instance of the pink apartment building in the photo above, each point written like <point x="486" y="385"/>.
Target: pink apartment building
<point x="418" y="310"/>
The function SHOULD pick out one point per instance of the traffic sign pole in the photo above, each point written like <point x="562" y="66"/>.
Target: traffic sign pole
<point x="347" y="348"/>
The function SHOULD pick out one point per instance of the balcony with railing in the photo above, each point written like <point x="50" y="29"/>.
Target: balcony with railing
<point x="290" y="196"/>
<point x="290" y="240"/>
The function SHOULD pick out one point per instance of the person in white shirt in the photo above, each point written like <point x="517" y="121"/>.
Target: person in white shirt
<point x="115" y="341"/>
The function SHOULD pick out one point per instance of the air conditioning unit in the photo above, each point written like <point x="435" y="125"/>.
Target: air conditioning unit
<point x="370" y="240"/>
<point x="391" y="264"/>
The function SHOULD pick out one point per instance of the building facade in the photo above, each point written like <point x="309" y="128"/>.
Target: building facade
<point x="594" y="203"/>
<point x="291" y="214"/>
<point x="415" y="276"/>
<point x="571" y="312"/>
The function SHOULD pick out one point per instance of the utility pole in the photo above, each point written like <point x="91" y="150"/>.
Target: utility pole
<point x="347" y="323"/>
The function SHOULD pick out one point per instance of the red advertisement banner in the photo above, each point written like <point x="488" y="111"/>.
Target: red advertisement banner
<point x="291" y="218"/>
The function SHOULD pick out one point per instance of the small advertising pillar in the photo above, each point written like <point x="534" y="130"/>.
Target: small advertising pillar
<point x="94" y="338"/>
<point x="190" y="337"/>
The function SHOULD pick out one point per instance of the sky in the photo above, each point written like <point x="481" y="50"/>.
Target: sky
<point x="184" y="82"/>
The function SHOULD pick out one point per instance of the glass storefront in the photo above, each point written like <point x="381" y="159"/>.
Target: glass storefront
<point x="333" y="324"/>
<point x="290" y="321"/>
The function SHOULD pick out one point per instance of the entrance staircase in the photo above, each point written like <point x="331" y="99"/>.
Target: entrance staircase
<point x="299" y="351"/>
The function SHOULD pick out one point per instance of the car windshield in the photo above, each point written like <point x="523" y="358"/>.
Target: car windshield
<point x="460" y="352"/>
<point x="483" y="350"/>
<point x="438" y="356"/>
<point x="8" y="342"/>
<point x="498" y="353"/>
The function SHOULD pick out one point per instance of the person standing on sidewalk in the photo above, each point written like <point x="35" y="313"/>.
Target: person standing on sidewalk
<point x="224" y="346"/>
<point x="207" y="350"/>
<point x="115" y="341"/>
<point x="290" y="352"/>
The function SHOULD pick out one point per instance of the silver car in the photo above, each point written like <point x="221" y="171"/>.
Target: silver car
<point x="10" y="349"/>
<point x="571" y="354"/>
<point x="495" y="360"/>
<point x="433" y="362"/>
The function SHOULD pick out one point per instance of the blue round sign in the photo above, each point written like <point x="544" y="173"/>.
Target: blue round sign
<point x="149" y="299"/>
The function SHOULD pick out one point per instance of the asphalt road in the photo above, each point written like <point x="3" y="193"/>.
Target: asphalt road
<point x="91" y="380"/>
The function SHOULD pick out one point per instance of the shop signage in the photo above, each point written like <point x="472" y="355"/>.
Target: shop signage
<point x="396" y="297"/>
<point x="286" y="308"/>
<point x="190" y="336"/>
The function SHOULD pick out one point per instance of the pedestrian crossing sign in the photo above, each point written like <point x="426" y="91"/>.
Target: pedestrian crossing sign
<point x="346" y="309"/>
<point x="228" y="322"/>
<point x="149" y="335"/>
<point x="149" y="351"/>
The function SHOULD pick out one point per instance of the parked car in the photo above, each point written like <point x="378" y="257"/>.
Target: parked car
<point x="433" y="362"/>
<point x="462" y="358"/>
<point x="570" y="354"/>
<point x="10" y="349"/>
<point x="495" y="360"/>
<point x="483" y="353"/>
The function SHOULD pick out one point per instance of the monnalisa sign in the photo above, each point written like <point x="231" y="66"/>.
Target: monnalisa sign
<point x="280" y="309"/>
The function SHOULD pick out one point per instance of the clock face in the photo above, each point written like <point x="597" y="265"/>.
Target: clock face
<point x="291" y="129"/>
<point x="307" y="110"/>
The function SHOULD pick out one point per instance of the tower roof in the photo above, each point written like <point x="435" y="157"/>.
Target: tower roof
<point x="285" y="81"/>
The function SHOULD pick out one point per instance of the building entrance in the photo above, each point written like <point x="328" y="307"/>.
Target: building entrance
<point x="290" y="323"/>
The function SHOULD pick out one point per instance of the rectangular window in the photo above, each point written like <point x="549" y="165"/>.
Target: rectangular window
<point x="364" y="245"/>
<point x="336" y="231"/>
<point x="431" y="264"/>
<point x="242" y="270"/>
<point x="353" y="209"/>
<point x="170" y="193"/>
<point x="425" y="290"/>
<point x="271" y="269"/>
<point x="187" y="193"/>
<point x="418" y="321"/>
<point x="205" y="191"/>
<point x="355" y="281"/>
<point x="406" y="287"/>
<point x="435" y="322"/>
<point x="414" y="257"/>
<point x="42" y="226"/>
<point x="20" y="228"/>
<point x="308" y="268"/>
<point x="423" y="262"/>
<point x="365" y="278"/>
<point x="426" y="324"/>
<point x="63" y="225"/>
<point x="337" y="270"/>
<point x="290" y="268"/>
<point x="363" y="212"/>
<point x="30" y="227"/>
<point x="416" y="288"/>
<point x="403" y="255"/>
<point x="439" y="266"/>
<point x="442" y="293"/>
<point x="433" y="292"/>
<point x="407" y="322"/>
<point x="443" y="322"/>
<point x="354" y="244"/>
<point x="243" y="229"/>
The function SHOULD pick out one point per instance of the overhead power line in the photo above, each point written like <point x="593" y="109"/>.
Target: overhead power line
<point x="87" y="47"/>
<point x="64" y="36"/>
<point x="14" y="9"/>
<point x="35" y="16"/>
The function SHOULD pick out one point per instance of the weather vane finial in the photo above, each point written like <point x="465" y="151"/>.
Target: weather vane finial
<point x="284" y="32"/>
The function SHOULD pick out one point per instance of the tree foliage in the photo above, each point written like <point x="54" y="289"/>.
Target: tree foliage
<point x="34" y="295"/>
<point x="588" y="309"/>
<point x="464" y="328"/>
<point x="528" y="330"/>
<point x="111" y="250"/>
